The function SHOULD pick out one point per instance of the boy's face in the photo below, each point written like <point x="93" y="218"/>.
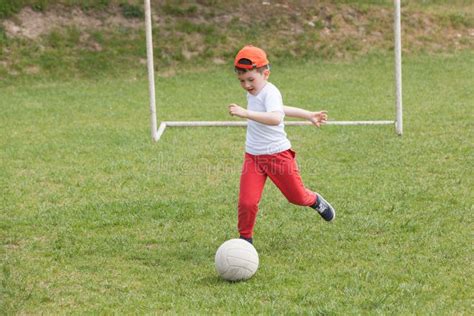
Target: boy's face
<point x="253" y="81"/>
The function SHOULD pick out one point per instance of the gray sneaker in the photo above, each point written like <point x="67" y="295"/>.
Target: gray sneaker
<point x="324" y="208"/>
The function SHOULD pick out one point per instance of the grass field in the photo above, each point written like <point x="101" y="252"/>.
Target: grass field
<point x="95" y="218"/>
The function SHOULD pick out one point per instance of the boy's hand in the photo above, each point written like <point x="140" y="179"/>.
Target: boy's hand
<point x="318" y="118"/>
<point x="236" y="110"/>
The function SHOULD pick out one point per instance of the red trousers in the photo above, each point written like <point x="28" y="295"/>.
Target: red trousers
<point x="283" y="171"/>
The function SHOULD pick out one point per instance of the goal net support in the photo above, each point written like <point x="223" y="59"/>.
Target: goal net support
<point x="157" y="132"/>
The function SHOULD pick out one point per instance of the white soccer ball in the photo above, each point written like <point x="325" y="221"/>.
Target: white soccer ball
<point x="236" y="259"/>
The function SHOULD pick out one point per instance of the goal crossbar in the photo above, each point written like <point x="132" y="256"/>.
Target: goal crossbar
<point x="157" y="132"/>
<point x="164" y="125"/>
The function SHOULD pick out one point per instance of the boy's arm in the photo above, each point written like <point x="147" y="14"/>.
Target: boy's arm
<point x="267" y="118"/>
<point x="317" y="118"/>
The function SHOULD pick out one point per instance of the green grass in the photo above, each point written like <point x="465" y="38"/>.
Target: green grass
<point x="96" y="218"/>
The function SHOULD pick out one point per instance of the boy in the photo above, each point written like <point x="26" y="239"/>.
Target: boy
<point x="267" y="150"/>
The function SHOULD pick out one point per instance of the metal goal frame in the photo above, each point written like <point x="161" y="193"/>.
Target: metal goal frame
<point x="157" y="132"/>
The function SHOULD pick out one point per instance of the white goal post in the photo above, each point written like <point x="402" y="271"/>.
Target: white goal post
<point x="157" y="132"/>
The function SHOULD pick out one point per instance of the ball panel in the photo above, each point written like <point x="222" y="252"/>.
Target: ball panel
<point x="237" y="273"/>
<point x="221" y="261"/>
<point x="240" y="261"/>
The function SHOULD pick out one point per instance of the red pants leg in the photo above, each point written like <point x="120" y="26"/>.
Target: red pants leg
<point x="252" y="182"/>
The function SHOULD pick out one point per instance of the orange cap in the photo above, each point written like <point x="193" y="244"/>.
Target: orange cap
<point x="251" y="57"/>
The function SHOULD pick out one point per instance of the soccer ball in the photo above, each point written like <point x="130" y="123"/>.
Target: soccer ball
<point x="236" y="259"/>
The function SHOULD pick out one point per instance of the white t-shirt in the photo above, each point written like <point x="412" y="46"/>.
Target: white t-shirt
<point x="266" y="139"/>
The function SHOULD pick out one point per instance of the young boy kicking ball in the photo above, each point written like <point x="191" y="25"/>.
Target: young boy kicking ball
<point x="267" y="149"/>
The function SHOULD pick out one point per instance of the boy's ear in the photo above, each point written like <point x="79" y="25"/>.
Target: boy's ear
<point x="266" y="73"/>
